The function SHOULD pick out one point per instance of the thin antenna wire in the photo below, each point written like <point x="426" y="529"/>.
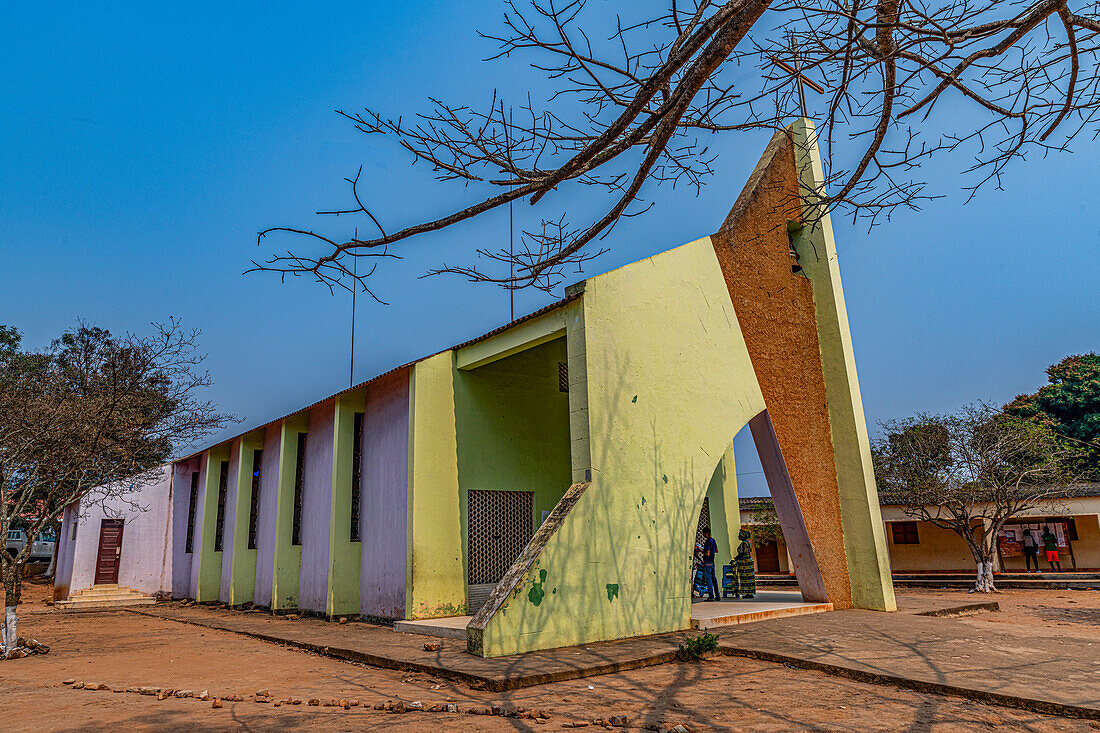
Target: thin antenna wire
<point x="511" y="226"/>
<point x="354" y="281"/>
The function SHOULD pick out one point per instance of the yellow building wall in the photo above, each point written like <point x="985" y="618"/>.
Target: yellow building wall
<point x="938" y="550"/>
<point x="669" y="384"/>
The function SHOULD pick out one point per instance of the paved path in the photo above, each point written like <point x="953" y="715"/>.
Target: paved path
<point x="381" y="646"/>
<point x="1034" y="670"/>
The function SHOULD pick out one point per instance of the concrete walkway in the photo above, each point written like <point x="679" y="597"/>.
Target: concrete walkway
<point x="1032" y="670"/>
<point x="1035" y="671"/>
<point x="711" y="615"/>
<point x="705" y="615"/>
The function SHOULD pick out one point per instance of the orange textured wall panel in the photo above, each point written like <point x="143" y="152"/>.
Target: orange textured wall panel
<point x="775" y="308"/>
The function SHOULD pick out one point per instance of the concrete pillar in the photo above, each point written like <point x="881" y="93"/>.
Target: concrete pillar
<point x="287" y="557"/>
<point x="206" y="563"/>
<point x="343" y="555"/>
<point x="785" y="500"/>
<point x="864" y="539"/>
<point x="725" y="513"/>
<point x="435" y="582"/>
<point x="242" y="562"/>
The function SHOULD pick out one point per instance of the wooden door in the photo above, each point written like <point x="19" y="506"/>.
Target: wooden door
<point x="110" y="551"/>
<point x="767" y="557"/>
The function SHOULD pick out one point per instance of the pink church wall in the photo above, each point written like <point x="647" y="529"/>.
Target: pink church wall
<point x="63" y="573"/>
<point x="383" y="498"/>
<point x="316" y="509"/>
<point x="145" y="561"/>
<point x="200" y="502"/>
<point x="181" y="495"/>
<point x="265" y="525"/>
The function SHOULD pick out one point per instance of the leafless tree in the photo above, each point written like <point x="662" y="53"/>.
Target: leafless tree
<point x="92" y="417"/>
<point x="637" y="104"/>
<point x="972" y="471"/>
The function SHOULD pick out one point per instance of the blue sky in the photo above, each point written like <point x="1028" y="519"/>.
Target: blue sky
<point x="143" y="146"/>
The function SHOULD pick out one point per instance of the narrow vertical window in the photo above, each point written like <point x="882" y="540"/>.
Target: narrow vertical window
<point x="190" y="545"/>
<point x="356" y="473"/>
<point x="299" y="481"/>
<point x="223" y="489"/>
<point x="254" y="501"/>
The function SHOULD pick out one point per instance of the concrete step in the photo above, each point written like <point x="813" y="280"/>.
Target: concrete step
<point x="749" y="615"/>
<point x="451" y="627"/>
<point x="83" y="604"/>
<point x="96" y="592"/>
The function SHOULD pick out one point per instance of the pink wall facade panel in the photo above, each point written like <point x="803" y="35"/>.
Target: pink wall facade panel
<point x="144" y="563"/>
<point x="200" y="502"/>
<point x="383" y="498"/>
<point x="265" y="523"/>
<point x="230" y="514"/>
<point x="316" y="509"/>
<point x="181" y="497"/>
<point x="63" y="573"/>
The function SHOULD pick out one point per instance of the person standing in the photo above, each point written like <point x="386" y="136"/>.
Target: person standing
<point x="1031" y="551"/>
<point x="710" y="551"/>
<point x="1050" y="544"/>
<point x="743" y="568"/>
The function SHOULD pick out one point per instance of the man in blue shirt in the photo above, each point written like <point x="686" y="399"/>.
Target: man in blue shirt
<point x="710" y="550"/>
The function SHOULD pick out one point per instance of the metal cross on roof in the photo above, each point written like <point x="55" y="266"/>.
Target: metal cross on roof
<point x="795" y="70"/>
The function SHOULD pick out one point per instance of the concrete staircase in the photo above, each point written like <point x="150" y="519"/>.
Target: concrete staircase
<point x="105" y="596"/>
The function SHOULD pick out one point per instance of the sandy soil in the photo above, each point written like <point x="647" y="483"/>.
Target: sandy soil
<point x="1073" y="613"/>
<point x="121" y="650"/>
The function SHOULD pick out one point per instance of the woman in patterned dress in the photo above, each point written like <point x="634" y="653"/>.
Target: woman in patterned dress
<point x="743" y="568"/>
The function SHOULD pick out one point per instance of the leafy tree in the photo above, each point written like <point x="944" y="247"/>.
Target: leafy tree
<point x="970" y="472"/>
<point x="1069" y="405"/>
<point x="94" y="415"/>
<point x="649" y="97"/>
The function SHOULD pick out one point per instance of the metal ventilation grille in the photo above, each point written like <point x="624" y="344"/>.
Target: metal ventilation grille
<point x="563" y="376"/>
<point x="500" y="524"/>
<point x="704" y="521"/>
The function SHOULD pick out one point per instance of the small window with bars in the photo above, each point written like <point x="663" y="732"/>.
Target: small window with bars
<point x="356" y="473"/>
<point x="904" y="533"/>
<point x="254" y="500"/>
<point x="299" y="486"/>
<point x="223" y="489"/>
<point x="190" y="544"/>
<point x="563" y="376"/>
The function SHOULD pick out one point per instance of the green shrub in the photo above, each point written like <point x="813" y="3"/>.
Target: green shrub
<point x="697" y="646"/>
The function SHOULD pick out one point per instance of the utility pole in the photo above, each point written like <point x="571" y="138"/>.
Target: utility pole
<point x="511" y="226"/>
<point x="354" y="282"/>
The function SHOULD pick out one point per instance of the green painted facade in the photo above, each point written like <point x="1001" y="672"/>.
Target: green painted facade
<point x="242" y="578"/>
<point x="434" y="585"/>
<point x="513" y="429"/>
<point x="668" y="383"/>
<point x="344" y="555"/>
<point x="287" y="556"/>
<point x="208" y="569"/>
<point x="725" y="512"/>
<point x="659" y="383"/>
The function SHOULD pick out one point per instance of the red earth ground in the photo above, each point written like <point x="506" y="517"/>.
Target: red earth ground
<point x="121" y="650"/>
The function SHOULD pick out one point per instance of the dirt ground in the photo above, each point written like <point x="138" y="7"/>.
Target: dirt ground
<point x="1073" y="613"/>
<point x="123" y="650"/>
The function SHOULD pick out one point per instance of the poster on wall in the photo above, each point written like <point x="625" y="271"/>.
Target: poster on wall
<point x="1010" y="540"/>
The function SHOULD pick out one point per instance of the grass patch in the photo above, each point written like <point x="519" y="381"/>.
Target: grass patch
<point x="697" y="647"/>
